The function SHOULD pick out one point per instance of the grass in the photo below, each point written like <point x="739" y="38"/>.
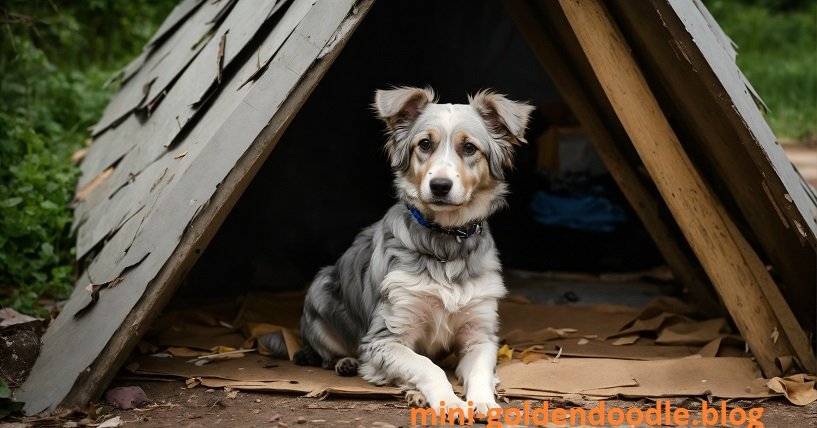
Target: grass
<point x="54" y="58"/>
<point x="778" y="54"/>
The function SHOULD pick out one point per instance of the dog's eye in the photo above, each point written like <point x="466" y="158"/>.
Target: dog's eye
<point x="469" y="149"/>
<point x="424" y="144"/>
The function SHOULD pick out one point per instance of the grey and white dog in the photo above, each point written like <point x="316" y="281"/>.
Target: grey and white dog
<point x="425" y="280"/>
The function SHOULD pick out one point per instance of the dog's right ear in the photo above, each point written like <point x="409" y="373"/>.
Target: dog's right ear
<point x="399" y="107"/>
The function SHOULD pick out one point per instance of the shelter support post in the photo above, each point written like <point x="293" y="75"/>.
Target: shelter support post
<point x="736" y="271"/>
<point x="558" y="66"/>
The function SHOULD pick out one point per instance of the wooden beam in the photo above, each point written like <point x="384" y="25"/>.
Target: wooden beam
<point x="205" y="225"/>
<point x="646" y="205"/>
<point x="734" y="268"/>
<point x="699" y="90"/>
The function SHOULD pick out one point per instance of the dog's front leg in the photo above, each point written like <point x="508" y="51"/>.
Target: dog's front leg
<point x="388" y="360"/>
<point x="476" y="372"/>
<point x="478" y="348"/>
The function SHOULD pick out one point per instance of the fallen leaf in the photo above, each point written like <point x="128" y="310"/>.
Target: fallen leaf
<point x="582" y="341"/>
<point x="504" y="353"/>
<point x="232" y="394"/>
<point x="126" y="397"/>
<point x="180" y="155"/>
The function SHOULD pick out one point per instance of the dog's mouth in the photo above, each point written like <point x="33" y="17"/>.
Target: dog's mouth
<point x="443" y="203"/>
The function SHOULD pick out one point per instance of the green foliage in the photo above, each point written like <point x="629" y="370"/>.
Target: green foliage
<point x="777" y="42"/>
<point x="54" y="59"/>
<point x="8" y="405"/>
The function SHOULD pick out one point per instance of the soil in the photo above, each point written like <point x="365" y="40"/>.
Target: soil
<point x="173" y="405"/>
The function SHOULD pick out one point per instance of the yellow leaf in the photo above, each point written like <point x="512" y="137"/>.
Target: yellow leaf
<point x="504" y="353"/>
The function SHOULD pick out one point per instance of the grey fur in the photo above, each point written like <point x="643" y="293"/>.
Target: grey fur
<point x="343" y="301"/>
<point x="354" y="309"/>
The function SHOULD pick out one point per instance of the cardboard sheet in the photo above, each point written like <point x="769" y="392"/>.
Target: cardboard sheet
<point x="608" y="331"/>
<point x="718" y="377"/>
<point x="551" y="351"/>
<point x="258" y="372"/>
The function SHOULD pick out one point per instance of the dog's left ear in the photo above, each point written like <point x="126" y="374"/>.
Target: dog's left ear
<point x="506" y="119"/>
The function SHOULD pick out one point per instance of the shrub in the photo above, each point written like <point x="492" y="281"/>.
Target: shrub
<point x="54" y="59"/>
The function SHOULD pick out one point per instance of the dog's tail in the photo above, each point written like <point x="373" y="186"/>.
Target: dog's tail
<point x="273" y="344"/>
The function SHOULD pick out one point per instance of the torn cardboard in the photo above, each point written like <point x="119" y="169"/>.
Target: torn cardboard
<point x="603" y="377"/>
<point x="258" y="372"/>
<point x="639" y="366"/>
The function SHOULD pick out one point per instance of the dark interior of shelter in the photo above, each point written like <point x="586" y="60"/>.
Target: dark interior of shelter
<point x="328" y="176"/>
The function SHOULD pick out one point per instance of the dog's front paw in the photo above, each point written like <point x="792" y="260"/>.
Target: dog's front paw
<point x="444" y="404"/>
<point x="416" y="398"/>
<point x="481" y="409"/>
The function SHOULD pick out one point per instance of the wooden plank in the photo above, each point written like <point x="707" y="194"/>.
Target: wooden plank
<point x="162" y="65"/>
<point x="100" y="340"/>
<point x="764" y="148"/>
<point x="135" y="144"/>
<point x="179" y="13"/>
<point x="732" y="265"/>
<point x="647" y="205"/>
<point x="701" y="109"/>
<point x="205" y="225"/>
<point x="170" y="118"/>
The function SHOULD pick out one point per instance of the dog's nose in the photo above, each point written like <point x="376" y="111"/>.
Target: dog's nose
<point x="440" y="186"/>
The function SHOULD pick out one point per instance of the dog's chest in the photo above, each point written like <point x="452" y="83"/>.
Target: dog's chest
<point x="431" y="317"/>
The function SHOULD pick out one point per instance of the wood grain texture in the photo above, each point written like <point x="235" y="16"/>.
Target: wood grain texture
<point x="734" y="268"/>
<point x="534" y="26"/>
<point x="690" y="81"/>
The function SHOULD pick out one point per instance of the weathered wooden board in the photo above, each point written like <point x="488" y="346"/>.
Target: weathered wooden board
<point x="139" y="144"/>
<point x="178" y="15"/>
<point x="553" y="50"/>
<point x="163" y="64"/>
<point x="736" y="271"/>
<point x="706" y="100"/>
<point x="203" y="226"/>
<point x="173" y="190"/>
<point x="765" y="151"/>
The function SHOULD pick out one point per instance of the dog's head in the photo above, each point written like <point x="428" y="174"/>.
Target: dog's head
<point x="449" y="159"/>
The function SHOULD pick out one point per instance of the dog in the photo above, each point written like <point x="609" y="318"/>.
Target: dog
<point x="425" y="280"/>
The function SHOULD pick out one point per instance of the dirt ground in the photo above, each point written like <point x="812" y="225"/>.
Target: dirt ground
<point x="173" y="405"/>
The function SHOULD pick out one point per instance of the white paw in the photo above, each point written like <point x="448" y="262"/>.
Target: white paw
<point x="481" y="408"/>
<point x="451" y="402"/>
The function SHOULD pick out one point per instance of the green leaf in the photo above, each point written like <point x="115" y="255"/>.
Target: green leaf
<point x="11" y="202"/>
<point x="5" y="392"/>
<point x="48" y="205"/>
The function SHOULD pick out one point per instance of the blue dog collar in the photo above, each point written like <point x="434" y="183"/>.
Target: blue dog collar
<point x="462" y="232"/>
